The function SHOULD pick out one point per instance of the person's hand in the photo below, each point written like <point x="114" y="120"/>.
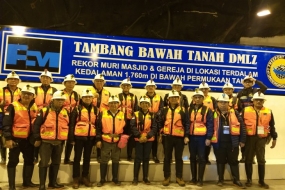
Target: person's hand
<point x="37" y="143"/>
<point x="241" y="144"/>
<point x="99" y="144"/>
<point x="142" y="139"/>
<point x="208" y="142"/>
<point x="9" y="144"/>
<point x="186" y="140"/>
<point x="273" y="144"/>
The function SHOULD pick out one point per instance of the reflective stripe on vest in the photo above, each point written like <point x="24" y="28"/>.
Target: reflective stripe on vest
<point x="39" y="100"/>
<point x="21" y="124"/>
<point x="155" y="102"/>
<point x="86" y="127"/>
<point x="109" y="134"/>
<point x="250" y="117"/>
<point x="208" y="102"/>
<point x="198" y="124"/>
<point x="104" y="99"/>
<point x="50" y="130"/>
<point x="146" y="125"/>
<point x="128" y="106"/>
<point x="177" y="128"/>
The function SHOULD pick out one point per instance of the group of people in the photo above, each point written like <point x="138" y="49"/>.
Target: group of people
<point x="42" y="120"/>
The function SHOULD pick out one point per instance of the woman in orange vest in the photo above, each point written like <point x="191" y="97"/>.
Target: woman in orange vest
<point x="144" y="129"/>
<point x="259" y="122"/>
<point x="110" y="127"/>
<point x="51" y="129"/>
<point x="82" y="123"/>
<point x="229" y="134"/>
<point x="17" y="130"/>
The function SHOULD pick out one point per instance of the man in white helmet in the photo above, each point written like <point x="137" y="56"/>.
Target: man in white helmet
<point x="260" y="126"/>
<point x="229" y="134"/>
<point x="201" y="132"/>
<point x="51" y="129"/>
<point x="129" y="105"/>
<point x="8" y="94"/>
<point x="244" y="97"/>
<point x="71" y="101"/>
<point x="101" y="98"/>
<point x="228" y="89"/>
<point x="183" y="100"/>
<point x="155" y="106"/>
<point x="17" y="130"/>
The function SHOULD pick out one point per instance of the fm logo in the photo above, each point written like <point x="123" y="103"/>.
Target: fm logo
<point x="33" y="54"/>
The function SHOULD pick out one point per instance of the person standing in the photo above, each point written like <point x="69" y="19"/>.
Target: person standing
<point x="144" y="129"/>
<point x="228" y="89"/>
<point x="260" y="125"/>
<point x="129" y="104"/>
<point x="51" y="129"/>
<point x="229" y="134"/>
<point x="17" y="128"/>
<point x="110" y="127"/>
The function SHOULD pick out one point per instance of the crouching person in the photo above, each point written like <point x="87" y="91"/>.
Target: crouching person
<point x="229" y="133"/>
<point x="50" y="131"/>
<point x="17" y="130"/>
<point x="110" y="126"/>
<point x="144" y="129"/>
<point x="82" y="124"/>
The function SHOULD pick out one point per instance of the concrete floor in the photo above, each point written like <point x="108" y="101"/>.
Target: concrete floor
<point x="274" y="184"/>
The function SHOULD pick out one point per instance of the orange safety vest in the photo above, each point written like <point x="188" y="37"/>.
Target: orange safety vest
<point x="198" y="122"/>
<point x="112" y="128"/>
<point x="71" y="100"/>
<point x="84" y="126"/>
<point x="7" y="97"/>
<point x="22" y="123"/>
<point x="155" y="102"/>
<point x="40" y="100"/>
<point x="104" y="99"/>
<point x="174" y="126"/>
<point x="233" y="123"/>
<point x="55" y="127"/>
<point x="127" y="105"/>
<point x="146" y="126"/>
<point x="208" y="102"/>
<point x="250" y="117"/>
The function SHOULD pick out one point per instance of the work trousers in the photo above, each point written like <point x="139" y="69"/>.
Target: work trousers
<point x="110" y="150"/>
<point x="255" y="146"/>
<point x="225" y="153"/>
<point x="49" y="151"/>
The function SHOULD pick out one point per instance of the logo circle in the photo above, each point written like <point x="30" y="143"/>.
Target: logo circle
<point x="275" y="71"/>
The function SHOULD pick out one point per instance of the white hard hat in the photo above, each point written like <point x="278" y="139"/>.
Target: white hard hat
<point x="228" y="85"/>
<point x="126" y="81"/>
<point x="173" y="93"/>
<point x="177" y="81"/>
<point x="13" y="75"/>
<point x="198" y="92"/>
<point x="204" y="85"/>
<point x="46" y="73"/>
<point x="144" y="99"/>
<point x="249" y="77"/>
<point x="150" y="83"/>
<point x="69" y="77"/>
<point x="258" y="95"/>
<point x="58" y="95"/>
<point x="28" y="88"/>
<point x="99" y="77"/>
<point x="87" y="92"/>
<point x="223" y="98"/>
<point x="114" y="99"/>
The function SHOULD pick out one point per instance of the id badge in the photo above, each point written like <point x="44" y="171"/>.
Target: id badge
<point x="260" y="130"/>
<point x="226" y="129"/>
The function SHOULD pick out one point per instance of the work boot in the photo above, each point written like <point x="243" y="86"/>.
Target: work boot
<point x="221" y="170"/>
<point x="201" y="174"/>
<point x="11" y="178"/>
<point x="235" y="174"/>
<point x="85" y="181"/>
<point x="248" y="171"/>
<point x="145" y="172"/>
<point x="180" y="181"/>
<point x="193" y="167"/>
<point x="27" y="177"/>
<point x="166" y="181"/>
<point x="3" y="155"/>
<point x="103" y="172"/>
<point x="261" y="174"/>
<point x="115" y="169"/>
<point x="67" y="153"/>
<point x="155" y="159"/>
<point x="75" y="184"/>
<point x="42" y="176"/>
<point x="53" y="171"/>
<point x="137" y="166"/>
<point x="135" y="181"/>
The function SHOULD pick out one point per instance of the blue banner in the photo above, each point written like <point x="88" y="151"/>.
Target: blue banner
<point x="29" y="51"/>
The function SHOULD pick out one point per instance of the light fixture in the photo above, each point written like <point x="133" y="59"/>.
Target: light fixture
<point x="264" y="12"/>
<point x="18" y="30"/>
